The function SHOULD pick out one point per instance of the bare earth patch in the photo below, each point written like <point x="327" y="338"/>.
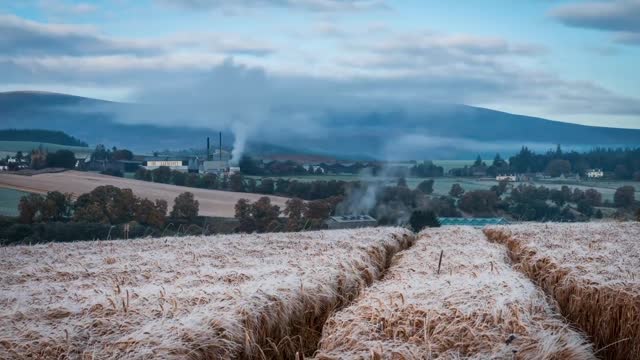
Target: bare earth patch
<point x="239" y="296"/>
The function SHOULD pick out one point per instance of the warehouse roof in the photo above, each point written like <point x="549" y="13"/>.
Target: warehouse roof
<point x="350" y="218"/>
<point x="475" y="222"/>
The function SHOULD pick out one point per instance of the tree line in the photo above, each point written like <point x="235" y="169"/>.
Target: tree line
<point x="57" y="216"/>
<point x="623" y="164"/>
<point x="38" y="135"/>
<point x="527" y="202"/>
<point x="311" y="190"/>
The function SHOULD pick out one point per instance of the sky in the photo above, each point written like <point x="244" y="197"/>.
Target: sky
<point x="573" y="60"/>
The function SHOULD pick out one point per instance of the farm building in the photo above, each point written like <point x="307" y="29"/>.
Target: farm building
<point x="82" y="160"/>
<point x="595" y="173"/>
<point x="351" y="221"/>
<point x="475" y="222"/>
<point x="217" y="167"/>
<point x="512" y="178"/>
<point x="316" y="169"/>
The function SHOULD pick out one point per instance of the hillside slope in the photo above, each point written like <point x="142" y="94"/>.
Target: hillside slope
<point x="442" y="131"/>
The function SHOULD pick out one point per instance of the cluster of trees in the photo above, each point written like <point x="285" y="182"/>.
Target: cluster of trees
<point x="44" y="136"/>
<point x="426" y="169"/>
<point x="261" y="216"/>
<point x="61" y="159"/>
<point x="421" y="219"/>
<point x="624" y="164"/>
<point x="105" y="205"/>
<point x="312" y="190"/>
<point x="56" y="217"/>
<point x="102" y="153"/>
<point x="394" y="205"/>
<point x="538" y="203"/>
<point x="250" y="166"/>
<point x="480" y="168"/>
<point x="40" y="158"/>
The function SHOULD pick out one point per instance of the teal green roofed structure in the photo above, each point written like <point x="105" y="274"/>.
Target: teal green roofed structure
<point x="475" y="222"/>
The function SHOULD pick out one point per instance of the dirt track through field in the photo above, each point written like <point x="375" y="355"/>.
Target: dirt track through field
<point x="212" y="202"/>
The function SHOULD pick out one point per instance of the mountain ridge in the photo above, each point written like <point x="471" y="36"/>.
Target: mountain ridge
<point x="434" y="130"/>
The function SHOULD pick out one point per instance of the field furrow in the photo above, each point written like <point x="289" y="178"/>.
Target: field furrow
<point x="472" y="306"/>
<point x="591" y="270"/>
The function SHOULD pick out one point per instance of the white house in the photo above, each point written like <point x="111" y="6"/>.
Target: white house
<point x="595" y="173"/>
<point x="505" y="177"/>
<point x="313" y="168"/>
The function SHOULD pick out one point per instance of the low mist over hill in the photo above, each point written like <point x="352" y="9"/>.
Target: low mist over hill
<point x="430" y="131"/>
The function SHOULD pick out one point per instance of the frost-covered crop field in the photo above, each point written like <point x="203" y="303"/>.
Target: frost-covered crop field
<point x="240" y="296"/>
<point x="591" y="270"/>
<point x="477" y="307"/>
<point x="538" y="291"/>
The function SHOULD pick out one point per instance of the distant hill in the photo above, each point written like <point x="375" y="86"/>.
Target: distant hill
<point x="12" y="147"/>
<point x="38" y="135"/>
<point x="435" y="131"/>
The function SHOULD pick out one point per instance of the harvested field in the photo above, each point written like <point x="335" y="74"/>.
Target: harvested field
<point x="239" y="296"/>
<point x="212" y="202"/>
<point x="592" y="271"/>
<point x="478" y="307"/>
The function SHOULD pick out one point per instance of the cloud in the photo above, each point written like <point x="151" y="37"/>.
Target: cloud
<point x="325" y="6"/>
<point x="20" y="37"/>
<point x="622" y="17"/>
<point x="392" y="70"/>
<point x="618" y="15"/>
<point x="628" y="38"/>
<point x="61" y="8"/>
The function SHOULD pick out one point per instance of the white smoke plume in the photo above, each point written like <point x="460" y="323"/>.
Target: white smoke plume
<point x="240" y="134"/>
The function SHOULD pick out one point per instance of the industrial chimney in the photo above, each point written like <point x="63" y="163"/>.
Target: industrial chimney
<point x="208" y="149"/>
<point x="220" y="145"/>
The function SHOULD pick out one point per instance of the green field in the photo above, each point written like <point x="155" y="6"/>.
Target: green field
<point x="9" y="200"/>
<point x="442" y="185"/>
<point x="12" y="147"/>
<point x="452" y="164"/>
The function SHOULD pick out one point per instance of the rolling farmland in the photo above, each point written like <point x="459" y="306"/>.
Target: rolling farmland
<point x="212" y="202"/>
<point x="9" y="200"/>
<point x="551" y="291"/>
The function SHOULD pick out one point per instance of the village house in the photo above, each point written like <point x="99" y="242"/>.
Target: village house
<point x="595" y="173"/>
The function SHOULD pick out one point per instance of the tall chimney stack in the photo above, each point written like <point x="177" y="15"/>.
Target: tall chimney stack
<point x="208" y="149"/>
<point x="220" y="145"/>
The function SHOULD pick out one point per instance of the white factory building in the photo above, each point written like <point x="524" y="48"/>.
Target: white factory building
<point x="172" y="163"/>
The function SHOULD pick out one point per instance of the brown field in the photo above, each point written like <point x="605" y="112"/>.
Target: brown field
<point x="591" y="270"/>
<point x="212" y="202"/>
<point x="223" y="297"/>
<point x="478" y="307"/>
